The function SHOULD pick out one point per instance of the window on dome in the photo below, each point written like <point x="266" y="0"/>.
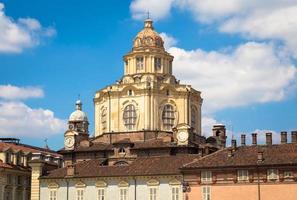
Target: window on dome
<point x="130" y="116"/>
<point x="139" y="63"/>
<point x="193" y="117"/>
<point x="168" y="117"/>
<point x="157" y="63"/>
<point x="103" y="119"/>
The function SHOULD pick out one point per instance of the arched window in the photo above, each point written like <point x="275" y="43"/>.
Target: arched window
<point x="168" y="117"/>
<point x="194" y="117"/>
<point x="103" y="119"/>
<point x="130" y="116"/>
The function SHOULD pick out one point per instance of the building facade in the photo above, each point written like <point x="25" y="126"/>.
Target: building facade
<point x="147" y="125"/>
<point x="15" y="172"/>
<point x="255" y="172"/>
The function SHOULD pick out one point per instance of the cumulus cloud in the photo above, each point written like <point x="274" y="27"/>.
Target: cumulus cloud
<point x="250" y="73"/>
<point x="157" y="9"/>
<point x="11" y="92"/>
<point x="16" y="35"/>
<point x="169" y="41"/>
<point x="261" y="20"/>
<point x="19" y="120"/>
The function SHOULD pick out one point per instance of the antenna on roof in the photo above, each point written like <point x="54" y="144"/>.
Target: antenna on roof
<point x="45" y="145"/>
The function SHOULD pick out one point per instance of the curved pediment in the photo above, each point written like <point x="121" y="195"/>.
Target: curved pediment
<point x="153" y="182"/>
<point x="101" y="184"/>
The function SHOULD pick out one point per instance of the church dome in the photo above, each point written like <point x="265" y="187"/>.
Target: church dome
<point x="148" y="37"/>
<point x="78" y="114"/>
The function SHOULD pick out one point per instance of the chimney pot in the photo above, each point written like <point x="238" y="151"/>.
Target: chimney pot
<point x="243" y="140"/>
<point x="254" y="138"/>
<point x="268" y="138"/>
<point x="260" y="156"/>
<point x="233" y="142"/>
<point x="70" y="170"/>
<point x="284" y="139"/>
<point x="294" y="137"/>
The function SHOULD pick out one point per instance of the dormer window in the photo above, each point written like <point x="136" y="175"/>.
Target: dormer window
<point x="139" y="63"/>
<point x="157" y="63"/>
<point x="122" y="150"/>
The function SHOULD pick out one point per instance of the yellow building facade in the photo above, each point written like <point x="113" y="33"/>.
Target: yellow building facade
<point x="148" y="96"/>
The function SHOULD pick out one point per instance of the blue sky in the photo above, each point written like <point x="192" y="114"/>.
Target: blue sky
<point x="247" y="76"/>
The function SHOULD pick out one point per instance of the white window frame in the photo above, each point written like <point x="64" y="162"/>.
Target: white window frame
<point x="272" y="174"/>
<point x="123" y="196"/>
<point x="157" y="63"/>
<point x="206" y="192"/>
<point x="206" y="176"/>
<point x="139" y="63"/>
<point x="155" y="194"/>
<point x="101" y="192"/>
<point x="175" y="192"/>
<point x="53" y="194"/>
<point x="242" y="175"/>
<point x="80" y="194"/>
<point x="288" y="174"/>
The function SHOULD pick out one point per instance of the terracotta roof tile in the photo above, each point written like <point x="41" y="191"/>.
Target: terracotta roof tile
<point x="162" y="165"/>
<point x="281" y="154"/>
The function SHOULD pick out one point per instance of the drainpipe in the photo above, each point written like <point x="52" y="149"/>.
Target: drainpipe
<point x="67" y="193"/>
<point x="259" y="186"/>
<point x="135" y="192"/>
<point x="109" y="110"/>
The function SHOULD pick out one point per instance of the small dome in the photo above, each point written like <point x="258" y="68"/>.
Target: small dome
<point x="148" y="37"/>
<point x="78" y="114"/>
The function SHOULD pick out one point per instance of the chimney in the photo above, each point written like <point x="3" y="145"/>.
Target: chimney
<point x="260" y="156"/>
<point x="233" y="143"/>
<point x="70" y="170"/>
<point x="254" y="138"/>
<point x="294" y="137"/>
<point x="284" y="139"/>
<point x="243" y="140"/>
<point x="268" y="138"/>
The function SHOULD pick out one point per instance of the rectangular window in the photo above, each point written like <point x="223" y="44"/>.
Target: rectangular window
<point x="175" y="193"/>
<point x="206" y="193"/>
<point x="206" y="176"/>
<point x="123" y="194"/>
<point x="139" y="63"/>
<point x="80" y="194"/>
<point x="53" y="195"/>
<point x="153" y="193"/>
<point x="242" y="175"/>
<point x="288" y="174"/>
<point x="157" y="63"/>
<point x="272" y="174"/>
<point x="9" y="179"/>
<point x="101" y="194"/>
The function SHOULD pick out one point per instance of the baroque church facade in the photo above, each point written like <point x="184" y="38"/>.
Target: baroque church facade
<point x="147" y="126"/>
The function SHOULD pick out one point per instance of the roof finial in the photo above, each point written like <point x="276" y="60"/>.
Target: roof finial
<point x="148" y="14"/>
<point x="45" y="144"/>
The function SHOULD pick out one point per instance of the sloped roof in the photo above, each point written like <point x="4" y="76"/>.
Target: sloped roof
<point x="144" y="166"/>
<point x="279" y="154"/>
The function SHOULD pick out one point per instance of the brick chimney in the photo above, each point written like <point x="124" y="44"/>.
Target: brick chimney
<point x="254" y="138"/>
<point x="268" y="138"/>
<point x="284" y="139"/>
<point x="260" y="156"/>
<point x="243" y="140"/>
<point x="233" y="144"/>
<point x="294" y="137"/>
<point x="70" y="170"/>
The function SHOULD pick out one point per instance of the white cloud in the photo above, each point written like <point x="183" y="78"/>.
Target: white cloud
<point x="158" y="9"/>
<point x="23" y="33"/>
<point x="169" y="41"/>
<point x="251" y="73"/>
<point x="253" y="19"/>
<point x="19" y="120"/>
<point x="11" y="92"/>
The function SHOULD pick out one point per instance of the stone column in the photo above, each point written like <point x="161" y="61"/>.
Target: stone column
<point x="36" y="166"/>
